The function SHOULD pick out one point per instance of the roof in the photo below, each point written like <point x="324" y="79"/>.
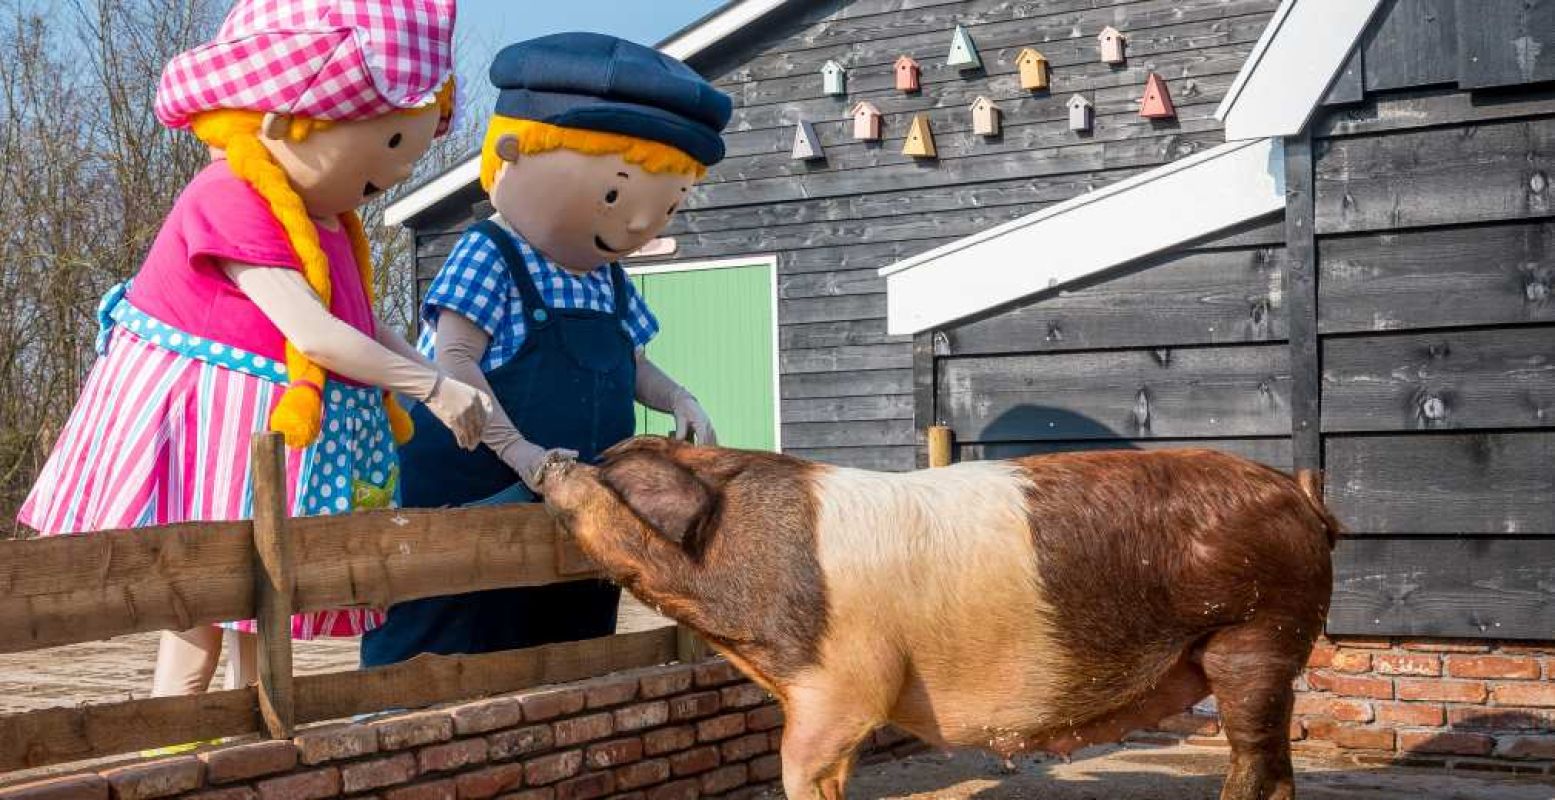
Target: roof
<point x="1284" y="79"/>
<point x="723" y="22"/>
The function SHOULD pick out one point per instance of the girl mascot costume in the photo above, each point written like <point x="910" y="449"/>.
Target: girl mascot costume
<point x="253" y="309"/>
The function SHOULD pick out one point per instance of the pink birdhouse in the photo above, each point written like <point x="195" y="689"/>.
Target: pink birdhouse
<point x="907" y="75"/>
<point x="1112" y="45"/>
<point x="1157" y="102"/>
<point x="866" y="122"/>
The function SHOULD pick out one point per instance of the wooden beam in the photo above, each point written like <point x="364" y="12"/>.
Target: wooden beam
<point x="941" y="446"/>
<point x="59" y="735"/>
<point x="923" y="392"/>
<point x="1306" y="378"/>
<point x="274" y="582"/>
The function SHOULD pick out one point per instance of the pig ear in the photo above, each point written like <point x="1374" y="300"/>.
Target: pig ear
<point x="663" y="494"/>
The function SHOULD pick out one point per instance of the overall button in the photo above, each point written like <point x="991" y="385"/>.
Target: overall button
<point x="540" y="315"/>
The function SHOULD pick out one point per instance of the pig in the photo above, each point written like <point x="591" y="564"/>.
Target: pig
<point x="1039" y="604"/>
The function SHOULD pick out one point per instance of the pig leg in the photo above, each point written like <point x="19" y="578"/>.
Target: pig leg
<point x="1250" y="669"/>
<point x="821" y="734"/>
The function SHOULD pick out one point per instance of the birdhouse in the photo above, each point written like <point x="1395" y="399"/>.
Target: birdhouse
<point x="866" y="122"/>
<point x="1157" y="102"/>
<point x="986" y="117"/>
<point x="907" y="74"/>
<point x="1112" y="44"/>
<point x="1082" y="113"/>
<point x="920" y="139"/>
<point x="807" y="145"/>
<point x="834" y="78"/>
<point x="1034" y="75"/>
<point x="963" y="51"/>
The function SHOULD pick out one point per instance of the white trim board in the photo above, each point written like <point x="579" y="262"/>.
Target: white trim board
<point x="711" y="30"/>
<point x="1304" y="46"/>
<point x="1148" y="213"/>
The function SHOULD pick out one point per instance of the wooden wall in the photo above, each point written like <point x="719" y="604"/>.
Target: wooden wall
<point x="847" y="387"/>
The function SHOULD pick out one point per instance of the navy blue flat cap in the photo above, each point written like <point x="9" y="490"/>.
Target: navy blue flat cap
<point x="596" y="82"/>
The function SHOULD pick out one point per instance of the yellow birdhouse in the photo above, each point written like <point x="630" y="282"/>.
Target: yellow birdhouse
<point x="1112" y="45"/>
<point x="1035" y="72"/>
<point x="986" y="118"/>
<point x="920" y="139"/>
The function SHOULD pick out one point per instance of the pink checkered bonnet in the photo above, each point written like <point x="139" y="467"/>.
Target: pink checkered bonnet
<point x="320" y="59"/>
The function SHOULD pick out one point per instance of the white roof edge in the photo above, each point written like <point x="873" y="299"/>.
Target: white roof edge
<point x="711" y="30"/>
<point x="1290" y="69"/>
<point x="1230" y="184"/>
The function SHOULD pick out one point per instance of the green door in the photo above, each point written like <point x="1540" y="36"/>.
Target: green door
<point x="715" y="339"/>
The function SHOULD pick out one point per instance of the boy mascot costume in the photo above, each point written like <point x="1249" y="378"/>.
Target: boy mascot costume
<point x="594" y="144"/>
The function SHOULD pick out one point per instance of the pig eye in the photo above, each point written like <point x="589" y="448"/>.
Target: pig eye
<point x="611" y="197"/>
<point x="394" y="141"/>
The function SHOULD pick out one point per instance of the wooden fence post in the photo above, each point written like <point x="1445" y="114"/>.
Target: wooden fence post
<point x="274" y="582"/>
<point x="940" y="438"/>
<point x="689" y="647"/>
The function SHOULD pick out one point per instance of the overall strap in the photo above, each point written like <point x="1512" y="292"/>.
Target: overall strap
<point x="518" y="268"/>
<point x="618" y="290"/>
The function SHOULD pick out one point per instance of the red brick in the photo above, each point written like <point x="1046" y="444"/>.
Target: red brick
<point x="629" y="795"/>
<point x="643" y="773"/>
<point x="161" y="778"/>
<point x="613" y="754"/>
<point x="1445" y="691"/>
<point x="1446" y="647"/>
<point x="669" y="682"/>
<point x="719" y="728"/>
<point x="336" y="743"/>
<point x="436" y="790"/>
<point x="777" y="739"/>
<point x="1445" y="743"/>
<point x="586" y="787"/>
<point x="716" y="672"/>
<point x="1522" y="667"/>
<point x="1346" y="660"/>
<point x="641" y="716"/>
<point x="413" y="731"/>
<point x="549" y="769"/>
<point x="519" y="742"/>
<point x="669" y="740"/>
<point x="678" y="790"/>
<point x="691" y="762"/>
<point x="378" y="773"/>
<point x="1352" y="686"/>
<point x="1190" y="724"/>
<point x="487" y="716"/>
<point x="722" y="780"/>
<point x="552" y="703"/>
<point x="764" y="719"/>
<point x="614" y="690"/>
<point x="1502" y="719"/>
<point x="1297" y="732"/>
<point x="1339" y="708"/>
<point x="1525" y="650"/>
<point x="1420" y="664"/>
<point x="489" y="782"/>
<point x="1322" y="656"/>
<point x="315" y="785"/>
<point x="1538" y="695"/>
<point x="582" y="729"/>
<point x="229" y="793"/>
<point x="766" y="768"/>
<point x="744" y="695"/>
<point x="1363" y="643"/>
<point x="451" y="756"/>
<point x="74" y="787"/>
<point x="1419" y="715"/>
<point x="1350" y="736"/>
<point x="693" y="706"/>
<point x="247" y="761"/>
<point x="542" y="793"/>
<point x="1533" y="747"/>
<point x="746" y="747"/>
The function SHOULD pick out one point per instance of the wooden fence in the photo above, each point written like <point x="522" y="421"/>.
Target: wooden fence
<point x="69" y="589"/>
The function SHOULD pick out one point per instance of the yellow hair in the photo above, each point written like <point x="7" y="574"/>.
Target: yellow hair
<point x="539" y="137"/>
<point x="299" y="414"/>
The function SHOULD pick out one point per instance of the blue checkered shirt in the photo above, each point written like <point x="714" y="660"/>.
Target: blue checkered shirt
<point x="475" y="282"/>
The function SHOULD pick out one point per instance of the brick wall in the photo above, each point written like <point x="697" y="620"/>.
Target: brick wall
<point x="669" y="733"/>
<point x="1461" y="705"/>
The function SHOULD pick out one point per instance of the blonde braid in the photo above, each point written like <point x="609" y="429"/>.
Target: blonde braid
<point x="399" y="419"/>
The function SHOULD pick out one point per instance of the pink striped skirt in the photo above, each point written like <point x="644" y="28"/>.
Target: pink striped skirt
<point x="159" y="437"/>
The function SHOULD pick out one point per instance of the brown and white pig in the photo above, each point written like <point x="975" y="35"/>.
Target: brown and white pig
<point x="1045" y="603"/>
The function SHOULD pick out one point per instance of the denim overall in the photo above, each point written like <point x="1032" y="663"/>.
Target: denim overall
<point x="571" y="385"/>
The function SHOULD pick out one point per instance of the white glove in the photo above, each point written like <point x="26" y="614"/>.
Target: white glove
<point x="462" y="407"/>
<point x="691" y="421"/>
<point x="529" y="460"/>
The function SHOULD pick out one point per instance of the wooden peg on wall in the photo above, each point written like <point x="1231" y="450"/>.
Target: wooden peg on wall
<point x="834" y="78"/>
<point x="807" y="144"/>
<point x="920" y="139"/>
<point x="1157" y="102"/>
<point x="986" y="117"/>
<point x="1082" y="113"/>
<point x="1113" y="45"/>
<point x="866" y="122"/>
<point x="1035" y="72"/>
<point x="908" y="74"/>
<point x="963" y="51"/>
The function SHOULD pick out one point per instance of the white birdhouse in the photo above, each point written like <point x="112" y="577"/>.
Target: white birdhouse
<point x="986" y="118"/>
<point x="807" y="144"/>
<point x="963" y="51"/>
<point x="1112" y="45"/>
<point x="866" y="122"/>
<point x="835" y="78"/>
<point x="1082" y="113"/>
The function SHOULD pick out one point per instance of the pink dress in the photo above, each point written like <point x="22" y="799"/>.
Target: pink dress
<point x="189" y="371"/>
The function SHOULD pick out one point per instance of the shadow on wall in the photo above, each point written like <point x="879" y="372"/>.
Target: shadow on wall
<point x="1032" y="429"/>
